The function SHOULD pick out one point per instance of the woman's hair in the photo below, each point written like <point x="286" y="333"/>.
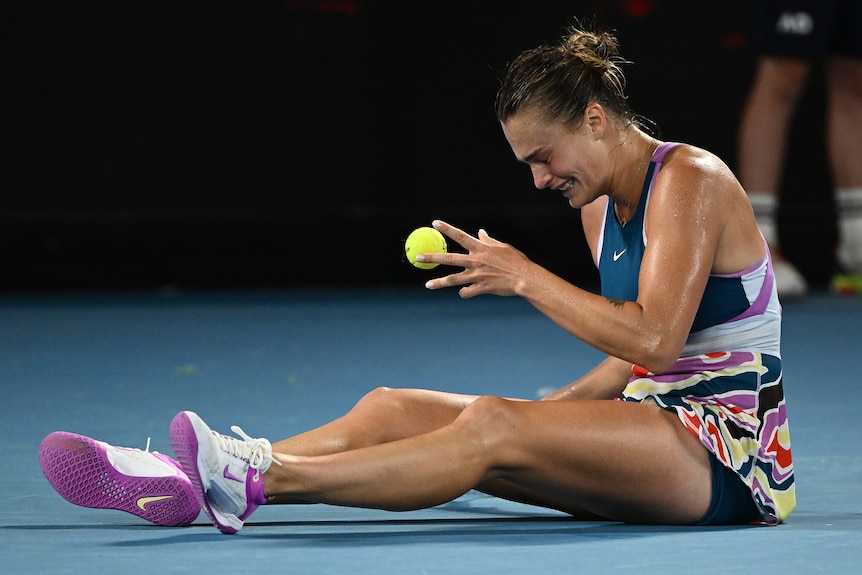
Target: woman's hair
<point x="560" y="81"/>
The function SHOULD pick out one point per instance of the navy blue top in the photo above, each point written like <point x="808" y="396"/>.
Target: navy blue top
<point x="622" y="249"/>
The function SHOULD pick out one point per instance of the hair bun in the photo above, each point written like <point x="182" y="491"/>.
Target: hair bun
<point x="561" y="80"/>
<point x="598" y="50"/>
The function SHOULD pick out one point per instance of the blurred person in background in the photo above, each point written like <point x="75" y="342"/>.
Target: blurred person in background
<point x="793" y="35"/>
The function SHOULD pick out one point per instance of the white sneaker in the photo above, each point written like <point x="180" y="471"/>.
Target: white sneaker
<point x="849" y="256"/>
<point x="849" y="207"/>
<point x="226" y="473"/>
<point x="790" y="283"/>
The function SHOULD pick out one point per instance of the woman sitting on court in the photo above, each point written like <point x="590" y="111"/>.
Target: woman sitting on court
<point x="683" y="423"/>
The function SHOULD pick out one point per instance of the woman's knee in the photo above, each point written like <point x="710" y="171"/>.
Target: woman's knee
<point x="396" y="413"/>
<point x="380" y="399"/>
<point x="490" y="417"/>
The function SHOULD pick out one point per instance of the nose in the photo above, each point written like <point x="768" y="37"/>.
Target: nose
<point x="541" y="177"/>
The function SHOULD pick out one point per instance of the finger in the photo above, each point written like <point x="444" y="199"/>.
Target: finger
<point x="467" y="288"/>
<point x="486" y="239"/>
<point x="453" y="259"/>
<point x="452" y="280"/>
<point x="458" y="235"/>
<point x="467" y="292"/>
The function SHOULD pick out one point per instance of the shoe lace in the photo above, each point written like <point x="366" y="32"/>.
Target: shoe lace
<point x="256" y="451"/>
<point x="135" y="453"/>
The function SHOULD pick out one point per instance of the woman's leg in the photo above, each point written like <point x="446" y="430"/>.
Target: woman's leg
<point x="381" y="416"/>
<point x="387" y="414"/>
<point x="623" y="461"/>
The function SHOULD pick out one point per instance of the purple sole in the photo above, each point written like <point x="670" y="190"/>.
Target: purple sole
<point x="77" y="467"/>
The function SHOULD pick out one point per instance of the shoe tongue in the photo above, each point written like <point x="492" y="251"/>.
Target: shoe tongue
<point x="139" y="463"/>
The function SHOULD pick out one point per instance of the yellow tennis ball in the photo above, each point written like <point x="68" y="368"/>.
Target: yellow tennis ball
<point x="424" y="241"/>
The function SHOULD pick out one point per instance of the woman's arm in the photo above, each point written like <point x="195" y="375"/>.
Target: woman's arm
<point x="606" y="381"/>
<point x="685" y="221"/>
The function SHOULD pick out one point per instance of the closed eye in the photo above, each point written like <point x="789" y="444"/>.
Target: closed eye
<point x="537" y="157"/>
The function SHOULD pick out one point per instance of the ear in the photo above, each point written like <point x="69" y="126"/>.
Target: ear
<point x="596" y="120"/>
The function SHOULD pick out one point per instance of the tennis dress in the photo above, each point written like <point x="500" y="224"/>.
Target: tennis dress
<point x="726" y="387"/>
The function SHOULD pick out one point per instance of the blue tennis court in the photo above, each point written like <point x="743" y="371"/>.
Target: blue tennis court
<point x="117" y="367"/>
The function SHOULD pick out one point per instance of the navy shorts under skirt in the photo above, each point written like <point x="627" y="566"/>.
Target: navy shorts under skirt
<point x="731" y="502"/>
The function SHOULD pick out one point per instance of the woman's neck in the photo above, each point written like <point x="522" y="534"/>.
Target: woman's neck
<point x="631" y="159"/>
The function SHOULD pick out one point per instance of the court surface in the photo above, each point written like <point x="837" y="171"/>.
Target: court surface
<point x="117" y="367"/>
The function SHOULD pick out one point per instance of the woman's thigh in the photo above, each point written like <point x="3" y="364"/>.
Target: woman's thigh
<point x="623" y="461"/>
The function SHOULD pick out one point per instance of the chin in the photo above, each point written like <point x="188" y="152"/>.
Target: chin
<point x="573" y="202"/>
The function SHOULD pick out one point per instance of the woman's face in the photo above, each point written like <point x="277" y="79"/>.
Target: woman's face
<point x="561" y="157"/>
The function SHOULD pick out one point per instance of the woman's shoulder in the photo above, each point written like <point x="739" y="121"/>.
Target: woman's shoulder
<point x="691" y="160"/>
<point x="696" y="181"/>
<point x="688" y="170"/>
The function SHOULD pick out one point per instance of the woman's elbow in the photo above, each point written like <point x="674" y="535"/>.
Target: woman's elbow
<point x="659" y="355"/>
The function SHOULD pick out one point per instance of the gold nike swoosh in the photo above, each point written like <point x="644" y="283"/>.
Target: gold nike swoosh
<point x="143" y="501"/>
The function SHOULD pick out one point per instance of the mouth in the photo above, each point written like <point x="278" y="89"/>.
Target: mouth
<point x="566" y="187"/>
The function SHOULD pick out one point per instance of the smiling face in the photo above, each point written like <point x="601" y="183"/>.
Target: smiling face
<point x="571" y="159"/>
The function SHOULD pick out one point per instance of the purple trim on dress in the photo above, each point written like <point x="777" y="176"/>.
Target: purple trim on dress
<point x="761" y="302"/>
<point x="662" y="150"/>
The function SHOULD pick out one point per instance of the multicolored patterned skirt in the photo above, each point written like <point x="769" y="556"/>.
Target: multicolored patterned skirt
<point x="734" y="403"/>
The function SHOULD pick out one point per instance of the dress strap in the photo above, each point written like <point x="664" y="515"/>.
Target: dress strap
<point x="662" y="150"/>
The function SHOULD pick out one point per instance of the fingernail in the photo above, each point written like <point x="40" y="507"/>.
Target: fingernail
<point x="429" y="284"/>
<point x="436" y="223"/>
<point x="420" y="258"/>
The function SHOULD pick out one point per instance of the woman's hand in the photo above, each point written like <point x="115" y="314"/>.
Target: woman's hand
<point x="490" y="266"/>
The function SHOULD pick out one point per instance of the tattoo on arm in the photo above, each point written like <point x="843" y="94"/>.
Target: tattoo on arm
<point x="616" y="302"/>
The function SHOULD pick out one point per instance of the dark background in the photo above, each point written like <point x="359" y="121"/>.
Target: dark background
<point x="296" y="143"/>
